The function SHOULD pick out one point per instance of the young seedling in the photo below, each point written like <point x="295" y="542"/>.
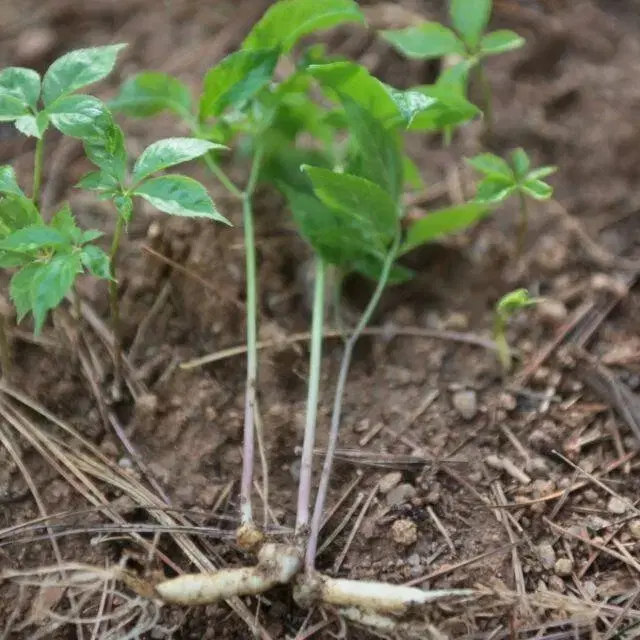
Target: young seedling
<point x="468" y="39"/>
<point x="502" y="179"/>
<point x="510" y="304"/>
<point x="337" y="158"/>
<point x="50" y="256"/>
<point x="346" y="202"/>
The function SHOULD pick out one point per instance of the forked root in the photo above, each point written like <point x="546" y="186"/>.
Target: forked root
<point x="372" y="604"/>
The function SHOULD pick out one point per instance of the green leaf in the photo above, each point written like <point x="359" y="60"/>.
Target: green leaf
<point x="411" y="103"/>
<point x="17" y="212"/>
<point x="179" y="196"/>
<point x="151" y="92"/>
<point x="470" y="19"/>
<point x="90" y="235"/>
<point x="541" y="172"/>
<point x="335" y="235"/>
<point x="494" y="189"/>
<point x="514" y="301"/>
<point x="286" y="21"/>
<point x="350" y="79"/>
<point x="11" y="108"/>
<point x="380" y="158"/>
<point x="33" y="126"/>
<point x="450" y="109"/>
<point x="491" y="165"/>
<point x="21" y="83"/>
<point x="169" y="152"/>
<point x="375" y="213"/>
<point x="108" y="151"/>
<point x="9" y="182"/>
<point x="425" y="41"/>
<point x="50" y="283"/>
<point x="96" y="261"/>
<point x="537" y="189"/>
<point x="33" y="238"/>
<point x="521" y="162"/>
<point x="97" y="181"/>
<point x="372" y="268"/>
<point x="78" y="69"/>
<point x="412" y="176"/>
<point x="500" y="41"/>
<point x="20" y="289"/>
<point x="443" y="222"/>
<point x="80" y="116"/>
<point x="64" y="222"/>
<point x="237" y="78"/>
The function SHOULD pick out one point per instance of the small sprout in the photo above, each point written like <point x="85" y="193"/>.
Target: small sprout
<point x="505" y="309"/>
<point x="468" y="39"/>
<point x="502" y="179"/>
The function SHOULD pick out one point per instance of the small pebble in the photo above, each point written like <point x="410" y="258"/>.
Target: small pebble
<point x="400" y="494"/>
<point x="556" y="584"/>
<point x="590" y="588"/>
<point x="389" y="481"/>
<point x="465" y="402"/>
<point x="508" y="401"/>
<point x="404" y="532"/>
<point x="563" y="567"/>
<point x="457" y="322"/>
<point x="634" y="529"/>
<point x="551" y="312"/>
<point x="547" y="555"/>
<point x="590" y="495"/>
<point x="414" y="560"/>
<point x="603" y="283"/>
<point x="616" y="505"/>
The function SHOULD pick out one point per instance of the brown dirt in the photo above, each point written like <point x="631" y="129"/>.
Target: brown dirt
<point x="570" y="98"/>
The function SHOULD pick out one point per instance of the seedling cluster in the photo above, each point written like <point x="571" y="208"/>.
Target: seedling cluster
<point x="329" y="137"/>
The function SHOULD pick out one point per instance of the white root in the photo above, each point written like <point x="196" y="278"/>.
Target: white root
<point x="277" y="564"/>
<point x="374" y="597"/>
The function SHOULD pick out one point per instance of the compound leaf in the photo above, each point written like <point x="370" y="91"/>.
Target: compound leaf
<point x="425" y="41"/>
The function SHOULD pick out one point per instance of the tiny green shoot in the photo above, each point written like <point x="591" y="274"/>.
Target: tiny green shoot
<point x="467" y="39"/>
<point x="510" y="304"/>
<point x="502" y="179"/>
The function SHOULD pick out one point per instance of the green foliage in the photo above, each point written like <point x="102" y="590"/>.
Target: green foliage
<point x="501" y="179"/>
<point x="237" y="79"/>
<point x="49" y="258"/>
<point x="151" y="92"/>
<point x="467" y="38"/>
<point x="78" y="69"/>
<point x="286" y="21"/>
<point x="510" y="304"/>
<point x="443" y="222"/>
<point x="169" y="152"/>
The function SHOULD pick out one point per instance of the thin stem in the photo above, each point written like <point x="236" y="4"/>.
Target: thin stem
<point x="223" y="177"/>
<point x="499" y="337"/>
<point x="246" y="482"/>
<point x="323" y="488"/>
<point x="524" y="224"/>
<point x="488" y="99"/>
<point x="5" y="349"/>
<point x="114" y="305"/>
<point x="37" y="171"/>
<point x="306" y="460"/>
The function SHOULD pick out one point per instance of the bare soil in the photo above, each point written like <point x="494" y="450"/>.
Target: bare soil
<point x="490" y="500"/>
